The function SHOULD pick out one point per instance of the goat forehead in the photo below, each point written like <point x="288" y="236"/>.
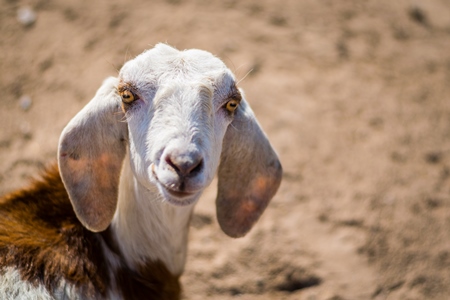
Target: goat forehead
<point x="186" y="99"/>
<point x="164" y="63"/>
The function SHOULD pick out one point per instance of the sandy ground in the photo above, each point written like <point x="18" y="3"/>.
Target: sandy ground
<point x="354" y="96"/>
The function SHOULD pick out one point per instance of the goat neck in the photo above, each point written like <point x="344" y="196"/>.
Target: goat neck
<point x="147" y="228"/>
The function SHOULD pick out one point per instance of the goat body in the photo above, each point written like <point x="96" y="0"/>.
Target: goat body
<point x="111" y="221"/>
<point x="45" y="252"/>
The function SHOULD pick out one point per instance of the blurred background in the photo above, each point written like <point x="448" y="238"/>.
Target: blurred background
<point x="354" y="95"/>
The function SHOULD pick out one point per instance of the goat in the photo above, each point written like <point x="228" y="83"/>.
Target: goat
<point x="111" y="220"/>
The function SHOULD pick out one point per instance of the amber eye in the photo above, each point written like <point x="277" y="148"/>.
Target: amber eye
<point x="232" y="105"/>
<point x="127" y="96"/>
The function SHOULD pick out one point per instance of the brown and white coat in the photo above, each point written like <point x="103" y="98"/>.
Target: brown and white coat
<point x="111" y="221"/>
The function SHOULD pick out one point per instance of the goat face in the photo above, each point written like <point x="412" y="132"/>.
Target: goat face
<point x="178" y="106"/>
<point x="184" y="121"/>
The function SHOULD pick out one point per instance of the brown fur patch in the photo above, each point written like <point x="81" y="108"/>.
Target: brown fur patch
<point x="150" y="281"/>
<point x="42" y="238"/>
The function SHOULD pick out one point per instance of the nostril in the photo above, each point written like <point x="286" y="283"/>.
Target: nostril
<point x="197" y="168"/>
<point x="170" y="163"/>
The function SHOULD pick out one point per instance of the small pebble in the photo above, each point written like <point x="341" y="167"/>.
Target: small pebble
<point x="25" y="102"/>
<point x="26" y="16"/>
<point x="25" y="129"/>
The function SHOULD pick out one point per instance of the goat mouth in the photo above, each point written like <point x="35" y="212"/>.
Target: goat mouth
<point x="173" y="196"/>
<point x="178" y="198"/>
<point x="179" y="194"/>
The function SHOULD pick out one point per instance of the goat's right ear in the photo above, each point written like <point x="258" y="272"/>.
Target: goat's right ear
<point x="90" y="155"/>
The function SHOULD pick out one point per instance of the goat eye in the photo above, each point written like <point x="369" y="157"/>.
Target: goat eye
<point x="232" y="105"/>
<point x="127" y="97"/>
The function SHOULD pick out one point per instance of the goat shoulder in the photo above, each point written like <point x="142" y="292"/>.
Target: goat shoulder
<point x="44" y="248"/>
<point x="42" y="239"/>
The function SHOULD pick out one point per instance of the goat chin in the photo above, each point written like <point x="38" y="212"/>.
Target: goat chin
<point x="94" y="227"/>
<point x="179" y="198"/>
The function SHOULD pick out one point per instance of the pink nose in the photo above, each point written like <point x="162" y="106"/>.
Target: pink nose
<point x="185" y="163"/>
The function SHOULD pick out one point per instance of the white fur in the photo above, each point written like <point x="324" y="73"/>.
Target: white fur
<point x="147" y="227"/>
<point x="186" y="116"/>
<point x="12" y="287"/>
<point x="144" y="175"/>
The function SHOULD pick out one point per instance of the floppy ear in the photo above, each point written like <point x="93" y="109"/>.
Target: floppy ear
<point x="90" y="155"/>
<point x="249" y="174"/>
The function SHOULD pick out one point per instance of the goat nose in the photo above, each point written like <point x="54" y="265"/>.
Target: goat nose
<point x="185" y="163"/>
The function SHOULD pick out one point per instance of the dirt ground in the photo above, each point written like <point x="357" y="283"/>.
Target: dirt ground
<point x="354" y="95"/>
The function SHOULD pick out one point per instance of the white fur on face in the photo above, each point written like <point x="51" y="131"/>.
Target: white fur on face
<point x="178" y="120"/>
<point x="177" y="130"/>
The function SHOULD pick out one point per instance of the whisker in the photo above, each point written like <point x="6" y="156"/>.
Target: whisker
<point x="235" y="128"/>
<point x="232" y="63"/>
<point x="237" y="70"/>
<point x="112" y="65"/>
<point x="122" y="115"/>
<point x="125" y="58"/>
<point x="245" y="76"/>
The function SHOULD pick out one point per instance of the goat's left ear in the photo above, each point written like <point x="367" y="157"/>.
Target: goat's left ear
<point x="249" y="174"/>
<point x="90" y="155"/>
